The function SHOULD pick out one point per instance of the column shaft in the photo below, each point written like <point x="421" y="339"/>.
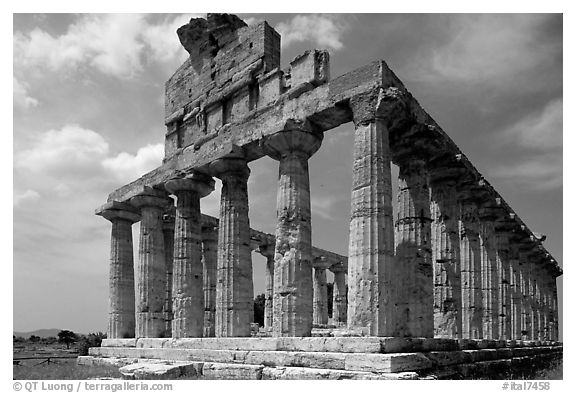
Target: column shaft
<point x="504" y="287"/>
<point x="209" y="262"/>
<point x="187" y="287"/>
<point x="446" y="257"/>
<point x="293" y="290"/>
<point x="415" y="297"/>
<point x="524" y="291"/>
<point x="488" y="281"/>
<point x="121" y="322"/>
<point x="371" y="252"/>
<point x="168" y="230"/>
<point x="151" y="269"/>
<point x="320" y="310"/>
<point x="470" y="259"/>
<point x="515" y="295"/>
<point x="269" y="301"/>
<point x="234" y="287"/>
<point x="339" y="306"/>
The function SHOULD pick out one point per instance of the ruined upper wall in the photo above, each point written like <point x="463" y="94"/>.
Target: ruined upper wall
<point x="233" y="70"/>
<point x="218" y="80"/>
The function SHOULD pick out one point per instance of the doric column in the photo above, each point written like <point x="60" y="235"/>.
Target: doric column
<point x="488" y="280"/>
<point x="371" y="246"/>
<point x="515" y="293"/>
<point x="268" y="253"/>
<point x="504" y="286"/>
<point x="339" y="305"/>
<point x="555" y="334"/>
<point x="415" y="297"/>
<point x="151" y="266"/>
<point x="446" y="257"/>
<point x="470" y="262"/>
<point x="187" y="276"/>
<point x="525" y="295"/>
<point x="121" y="322"/>
<point x="532" y="307"/>
<point x="541" y="333"/>
<point x="209" y="262"/>
<point x="320" y="309"/>
<point x="168" y="230"/>
<point x="293" y="292"/>
<point x="548" y="304"/>
<point x="234" y="287"/>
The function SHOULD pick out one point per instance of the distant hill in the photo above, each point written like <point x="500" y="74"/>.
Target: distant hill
<point x="42" y="333"/>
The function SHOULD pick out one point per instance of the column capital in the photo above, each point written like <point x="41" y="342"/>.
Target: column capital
<point x="197" y="182"/>
<point x="118" y="211"/>
<point x="230" y="166"/>
<point x="296" y="137"/>
<point x="321" y="262"/>
<point x="389" y="104"/>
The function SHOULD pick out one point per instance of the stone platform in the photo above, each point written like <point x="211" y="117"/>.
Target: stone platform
<point x="319" y="357"/>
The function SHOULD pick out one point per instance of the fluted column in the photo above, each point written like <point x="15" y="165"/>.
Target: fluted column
<point x="504" y="287"/>
<point x="525" y="296"/>
<point x="268" y="253"/>
<point x="168" y="230"/>
<point x="320" y="309"/>
<point x="209" y="262"/>
<point x="531" y="300"/>
<point x="515" y="293"/>
<point x="371" y="246"/>
<point x="415" y="297"/>
<point x="488" y="280"/>
<point x="293" y="293"/>
<point x="151" y="267"/>
<point x="555" y="333"/>
<point x="470" y="261"/>
<point x="339" y="306"/>
<point x="187" y="285"/>
<point x="540" y="334"/>
<point x="234" y="286"/>
<point x="446" y="257"/>
<point x="121" y="323"/>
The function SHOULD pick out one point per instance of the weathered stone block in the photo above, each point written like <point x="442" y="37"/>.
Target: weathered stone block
<point x="391" y="363"/>
<point x="161" y="370"/>
<point x="119" y="342"/>
<point x="311" y="67"/>
<point x="231" y="371"/>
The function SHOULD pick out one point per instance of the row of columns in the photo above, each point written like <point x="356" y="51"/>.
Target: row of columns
<point x="181" y="292"/>
<point x="441" y="268"/>
<point x="449" y="270"/>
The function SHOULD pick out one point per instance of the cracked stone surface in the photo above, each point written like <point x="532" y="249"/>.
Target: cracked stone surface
<point x="293" y="289"/>
<point x="234" y="287"/>
<point x="371" y="247"/>
<point x="151" y="268"/>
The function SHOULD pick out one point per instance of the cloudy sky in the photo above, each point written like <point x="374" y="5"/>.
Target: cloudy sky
<point x="88" y="117"/>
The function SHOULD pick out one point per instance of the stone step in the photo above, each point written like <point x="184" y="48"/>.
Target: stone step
<point x="322" y="344"/>
<point x="144" y="369"/>
<point x="366" y="362"/>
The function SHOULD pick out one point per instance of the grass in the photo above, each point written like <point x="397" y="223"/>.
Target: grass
<point x="39" y="369"/>
<point x="61" y="369"/>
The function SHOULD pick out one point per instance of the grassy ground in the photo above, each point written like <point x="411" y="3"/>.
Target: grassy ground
<point x="56" y="368"/>
<point x="61" y="369"/>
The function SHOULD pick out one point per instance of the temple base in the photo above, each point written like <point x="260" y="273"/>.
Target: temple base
<point x="321" y="357"/>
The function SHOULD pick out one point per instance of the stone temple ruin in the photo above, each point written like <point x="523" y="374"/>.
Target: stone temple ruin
<point x="455" y="286"/>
